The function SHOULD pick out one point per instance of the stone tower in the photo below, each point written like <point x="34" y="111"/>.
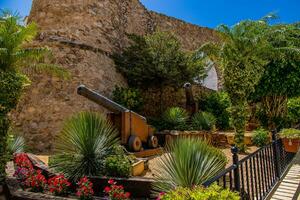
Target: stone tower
<point x="82" y="35"/>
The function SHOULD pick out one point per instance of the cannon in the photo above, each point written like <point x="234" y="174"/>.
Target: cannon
<point x="191" y="105"/>
<point x="133" y="128"/>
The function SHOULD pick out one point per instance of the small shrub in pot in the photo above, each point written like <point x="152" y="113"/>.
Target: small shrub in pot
<point x="117" y="166"/>
<point x="291" y="139"/>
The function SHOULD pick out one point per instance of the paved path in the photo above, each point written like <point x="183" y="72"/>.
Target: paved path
<point x="289" y="187"/>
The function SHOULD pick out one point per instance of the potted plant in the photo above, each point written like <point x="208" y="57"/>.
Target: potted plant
<point x="291" y="139"/>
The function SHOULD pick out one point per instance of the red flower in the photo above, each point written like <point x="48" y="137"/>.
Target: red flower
<point x="116" y="192"/>
<point x="111" y="181"/>
<point x="107" y="189"/>
<point x="36" y="181"/>
<point x="59" y="185"/>
<point x="22" y="160"/>
<point x="85" y="189"/>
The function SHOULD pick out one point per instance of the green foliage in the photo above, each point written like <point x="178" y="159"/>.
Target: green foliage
<point x="11" y="85"/>
<point x="294" y="110"/>
<point x="117" y="166"/>
<point x="260" y="137"/>
<point x="85" y="140"/>
<point x="16" y="57"/>
<point x="203" y="121"/>
<point x="157" y="60"/>
<point x="4" y="126"/>
<point x="264" y="119"/>
<point x="128" y="97"/>
<point x="218" y="104"/>
<point x="281" y="77"/>
<point x="282" y="74"/>
<point x="290" y="133"/>
<point x="213" y="192"/>
<point x="186" y="163"/>
<point x="174" y="119"/>
<point x="242" y="56"/>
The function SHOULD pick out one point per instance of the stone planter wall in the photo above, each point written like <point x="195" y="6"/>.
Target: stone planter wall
<point x="214" y="138"/>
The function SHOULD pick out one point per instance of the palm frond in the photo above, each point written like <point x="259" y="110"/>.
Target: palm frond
<point x="269" y="17"/>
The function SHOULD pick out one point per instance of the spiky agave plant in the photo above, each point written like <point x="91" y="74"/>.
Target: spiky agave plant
<point x="175" y="118"/>
<point x="15" y="144"/>
<point x="82" y="145"/>
<point x="203" y="121"/>
<point x="187" y="162"/>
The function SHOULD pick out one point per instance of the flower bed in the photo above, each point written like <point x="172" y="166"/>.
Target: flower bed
<point x="137" y="187"/>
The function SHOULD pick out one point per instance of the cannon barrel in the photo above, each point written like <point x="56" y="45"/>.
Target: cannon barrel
<point x="189" y="94"/>
<point x="101" y="100"/>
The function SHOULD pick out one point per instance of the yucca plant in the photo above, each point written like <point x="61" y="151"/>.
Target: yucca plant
<point x="175" y="118"/>
<point x="15" y="144"/>
<point x="203" y="121"/>
<point x="84" y="142"/>
<point x="187" y="162"/>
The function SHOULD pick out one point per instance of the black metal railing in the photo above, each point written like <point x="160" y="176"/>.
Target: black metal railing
<point x="255" y="175"/>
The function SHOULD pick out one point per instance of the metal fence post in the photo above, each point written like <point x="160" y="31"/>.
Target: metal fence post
<point x="276" y="153"/>
<point x="236" y="172"/>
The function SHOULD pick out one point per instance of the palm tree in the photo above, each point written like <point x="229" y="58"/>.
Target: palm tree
<point x="187" y="162"/>
<point x="242" y="54"/>
<point x="84" y="142"/>
<point x="17" y="59"/>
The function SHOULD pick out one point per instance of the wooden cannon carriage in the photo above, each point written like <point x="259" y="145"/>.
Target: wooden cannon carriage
<point x="135" y="133"/>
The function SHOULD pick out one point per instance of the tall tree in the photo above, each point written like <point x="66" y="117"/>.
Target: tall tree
<point x="17" y="57"/>
<point x="242" y="57"/>
<point x="281" y="78"/>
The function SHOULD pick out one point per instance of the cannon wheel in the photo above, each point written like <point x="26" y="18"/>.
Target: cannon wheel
<point x="134" y="143"/>
<point x="152" y="142"/>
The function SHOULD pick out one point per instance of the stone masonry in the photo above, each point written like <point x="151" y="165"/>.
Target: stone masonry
<point x="82" y="35"/>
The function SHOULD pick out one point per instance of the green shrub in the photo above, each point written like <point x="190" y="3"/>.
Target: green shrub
<point x="290" y="133"/>
<point x="213" y="192"/>
<point x="203" y="121"/>
<point x="117" y="166"/>
<point x="186" y="163"/>
<point x="294" y="110"/>
<point x="217" y="104"/>
<point x="84" y="142"/>
<point x="260" y="137"/>
<point x="128" y="97"/>
<point x="174" y="119"/>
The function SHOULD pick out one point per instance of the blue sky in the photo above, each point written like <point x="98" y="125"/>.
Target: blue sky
<point x="208" y="13"/>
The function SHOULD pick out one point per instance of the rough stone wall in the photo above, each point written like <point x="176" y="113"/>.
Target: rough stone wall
<point x="82" y="34"/>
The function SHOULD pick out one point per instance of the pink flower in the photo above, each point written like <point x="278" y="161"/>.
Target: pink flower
<point x="111" y="181"/>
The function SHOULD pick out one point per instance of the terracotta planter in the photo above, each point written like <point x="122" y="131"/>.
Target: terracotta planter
<point x="291" y="145"/>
